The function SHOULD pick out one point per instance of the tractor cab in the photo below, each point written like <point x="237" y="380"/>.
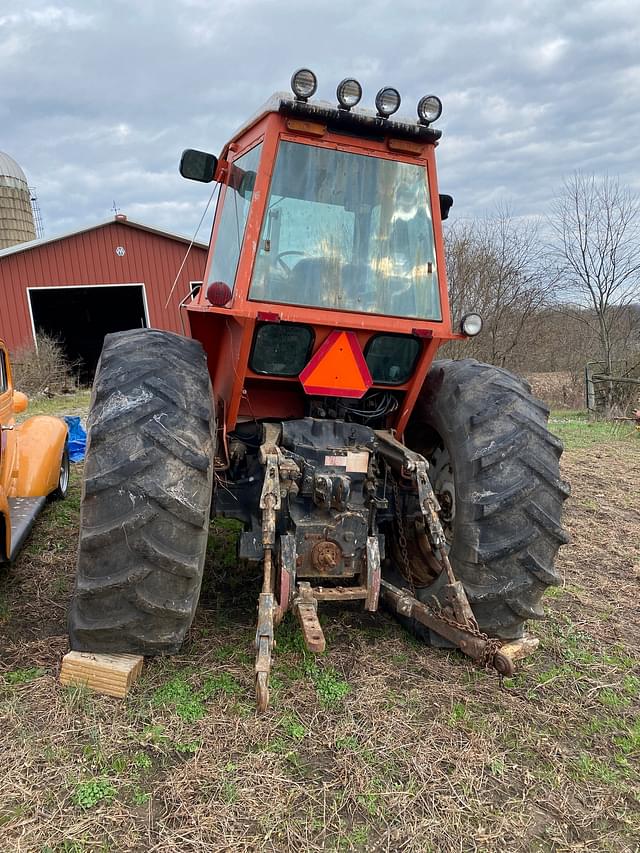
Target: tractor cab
<point x="325" y="280"/>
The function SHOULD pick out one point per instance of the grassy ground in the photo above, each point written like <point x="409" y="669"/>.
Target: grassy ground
<point x="69" y="404"/>
<point x="379" y="745"/>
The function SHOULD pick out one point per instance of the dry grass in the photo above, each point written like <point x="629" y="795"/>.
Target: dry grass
<point x="380" y="745"/>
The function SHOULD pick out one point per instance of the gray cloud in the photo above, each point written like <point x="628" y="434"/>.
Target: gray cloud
<point x="98" y="99"/>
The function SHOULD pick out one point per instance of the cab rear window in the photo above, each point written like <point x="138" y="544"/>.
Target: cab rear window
<point x="391" y="359"/>
<point x="281" y="349"/>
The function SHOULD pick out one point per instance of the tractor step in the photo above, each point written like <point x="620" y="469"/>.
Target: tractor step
<point x="23" y="513"/>
<point x="306" y="608"/>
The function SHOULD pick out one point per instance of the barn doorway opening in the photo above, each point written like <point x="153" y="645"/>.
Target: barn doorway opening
<point x="80" y="317"/>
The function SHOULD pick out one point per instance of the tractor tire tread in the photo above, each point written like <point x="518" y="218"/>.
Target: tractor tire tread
<point x="147" y="496"/>
<point x="509" y="490"/>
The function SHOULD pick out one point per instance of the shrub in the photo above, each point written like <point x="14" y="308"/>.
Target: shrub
<point x="45" y="370"/>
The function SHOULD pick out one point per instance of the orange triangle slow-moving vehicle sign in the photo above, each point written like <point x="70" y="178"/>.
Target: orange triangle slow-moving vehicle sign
<point x="338" y="368"/>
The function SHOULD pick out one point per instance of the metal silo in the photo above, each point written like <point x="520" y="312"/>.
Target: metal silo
<point x="16" y="214"/>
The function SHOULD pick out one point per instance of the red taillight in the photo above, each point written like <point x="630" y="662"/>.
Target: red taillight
<point x="218" y="293"/>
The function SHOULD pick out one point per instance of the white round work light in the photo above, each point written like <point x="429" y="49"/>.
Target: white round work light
<point x="429" y="109"/>
<point x="471" y="325"/>
<point x="387" y="101"/>
<point x="348" y="93"/>
<point x="303" y="83"/>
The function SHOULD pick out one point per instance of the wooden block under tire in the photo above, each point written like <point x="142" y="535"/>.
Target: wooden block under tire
<point x="104" y="673"/>
<point x="522" y="648"/>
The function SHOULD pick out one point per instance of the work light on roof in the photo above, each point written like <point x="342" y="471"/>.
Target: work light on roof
<point x="429" y="109"/>
<point x="387" y="101"/>
<point x="349" y="92"/>
<point x="304" y="84"/>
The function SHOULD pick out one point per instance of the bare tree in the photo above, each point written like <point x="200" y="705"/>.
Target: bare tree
<point x="595" y="249"/>
<point x="495" y="267"/>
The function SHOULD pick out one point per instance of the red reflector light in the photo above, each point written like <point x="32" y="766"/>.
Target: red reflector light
<point x="218" y="293"/>
<point x="422" y="333"/>
<point x="268" y="316"/>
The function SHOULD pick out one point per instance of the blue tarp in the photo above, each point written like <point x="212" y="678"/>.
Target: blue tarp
<point x="77" y="439"/>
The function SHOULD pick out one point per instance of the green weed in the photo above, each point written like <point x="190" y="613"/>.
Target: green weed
<point x="154" y="734"/>
<point x="141" y="760"/>
<point x="497" y="766"/>
<point x="23" y="676"/>
<point x="88" y="794"/>
<point x="458" y="713"/>
<point x="331" y="689"/>
<point x="358" y="837"/>
<point x="348" y="743"/>
<point x="223" y="683"/>
<point x="292" y="726"/>
<point x="370" y="802"/>
<point x="189" y="748"/>
<point x="229" y="791"/>
<point x="140" y="797"/>
<point x="179" y="695"/>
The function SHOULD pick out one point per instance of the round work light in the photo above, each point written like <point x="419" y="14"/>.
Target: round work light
<point x="387" y="101"/>
<point x="471" y="325"/>
<point x="349" y="92"/>
<point x="219" y="293"/>
<point x="429" y="109"/>
<point x="303" y="83"/>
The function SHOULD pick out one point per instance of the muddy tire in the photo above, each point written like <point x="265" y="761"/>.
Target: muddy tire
<point x="146" y="497"/>
<point x="495" y="467"/>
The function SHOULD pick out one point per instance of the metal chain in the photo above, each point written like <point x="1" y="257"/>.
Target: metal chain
<point x="405" y="569"/>
<point x="492" y="645"/>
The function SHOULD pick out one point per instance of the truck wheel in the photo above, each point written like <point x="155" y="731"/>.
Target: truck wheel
<point x="494" y="467"/>
<point x="147" y="492"/>
<point x="60" y="491"/>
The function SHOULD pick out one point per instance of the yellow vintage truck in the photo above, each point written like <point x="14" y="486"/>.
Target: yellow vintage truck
<point x="34" y="463"/>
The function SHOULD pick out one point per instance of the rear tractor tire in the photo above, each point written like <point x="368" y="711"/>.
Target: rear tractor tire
<point x="494" y="467"/>
<point x="146" y="498"/>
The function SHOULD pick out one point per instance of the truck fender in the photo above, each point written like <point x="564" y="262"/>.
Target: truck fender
<point x="41" y="441"/>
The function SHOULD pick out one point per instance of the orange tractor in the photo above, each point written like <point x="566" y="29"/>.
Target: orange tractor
<point x="308" y="404"/>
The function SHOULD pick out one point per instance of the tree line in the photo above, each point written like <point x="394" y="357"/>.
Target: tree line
<point x="554" y="293"/>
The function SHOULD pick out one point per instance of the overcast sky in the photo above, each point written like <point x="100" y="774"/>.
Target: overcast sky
<point x="99" y="97"/>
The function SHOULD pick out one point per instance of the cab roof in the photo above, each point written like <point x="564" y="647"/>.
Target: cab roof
<point x="357" y="121"/>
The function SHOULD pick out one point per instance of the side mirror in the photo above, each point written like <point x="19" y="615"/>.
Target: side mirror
<point x="198" y="165"/>
<point x="446" y="203"/>
<point x="20" y="402"/>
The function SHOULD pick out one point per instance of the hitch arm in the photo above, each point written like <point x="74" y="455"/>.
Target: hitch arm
<point x="473" y="643"/>
<point x="269" y="503"/>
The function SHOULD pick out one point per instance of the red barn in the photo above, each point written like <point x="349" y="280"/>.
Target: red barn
<point x="106" y="278"/>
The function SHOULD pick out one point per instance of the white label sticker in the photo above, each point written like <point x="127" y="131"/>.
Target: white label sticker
<point x="358" y="463"/>
<point x="336" y="461"/>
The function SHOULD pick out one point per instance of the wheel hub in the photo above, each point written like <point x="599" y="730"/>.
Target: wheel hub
<point x="441" y="476"/>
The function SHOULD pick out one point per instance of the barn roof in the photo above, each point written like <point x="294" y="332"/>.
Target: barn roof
<point x="118" y="219"/>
